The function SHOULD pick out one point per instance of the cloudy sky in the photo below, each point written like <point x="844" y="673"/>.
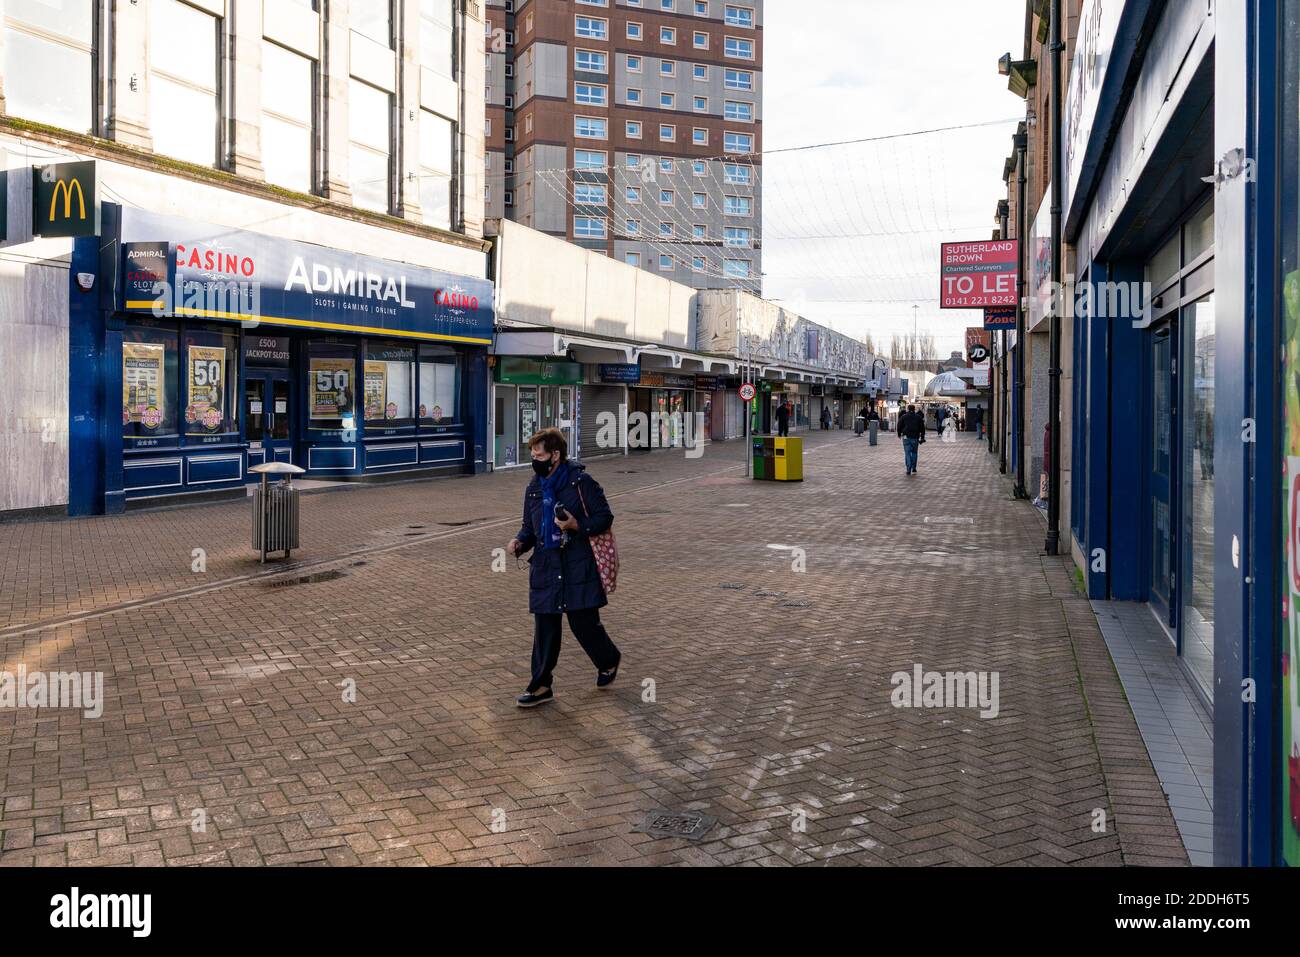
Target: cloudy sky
<point x="851" y="233"/>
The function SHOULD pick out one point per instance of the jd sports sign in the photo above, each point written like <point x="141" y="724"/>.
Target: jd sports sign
<point x="65" y="199"/>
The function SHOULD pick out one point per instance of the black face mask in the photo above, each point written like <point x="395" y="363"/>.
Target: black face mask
<point x="542" y="467"/>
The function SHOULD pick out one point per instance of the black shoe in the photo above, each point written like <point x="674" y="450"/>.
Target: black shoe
<point x="606" y="678"/>
<point x="531" y="699"/>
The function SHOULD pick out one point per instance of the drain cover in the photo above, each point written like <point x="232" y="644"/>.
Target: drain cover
<point x="311" y="579"/>
<point x="684" y="824"/>
<point x="732" y="586"/>
<point x="949" y="520"/>
<point x="795" y="604"/>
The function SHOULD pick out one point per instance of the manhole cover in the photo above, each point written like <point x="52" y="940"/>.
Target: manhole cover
<point x="311" y="579"/>
<point x="684" y="824"/>
<point x="795" y="604"/>
<point x="729" y="586"/>
<point x="768" y="594"/>
<point x="949" y="520"/>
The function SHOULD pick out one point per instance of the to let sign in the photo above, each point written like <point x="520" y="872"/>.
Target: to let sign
<point x="978" y="274"/>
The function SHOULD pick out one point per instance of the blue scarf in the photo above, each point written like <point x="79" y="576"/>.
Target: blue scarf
<point x="550" y="535"/>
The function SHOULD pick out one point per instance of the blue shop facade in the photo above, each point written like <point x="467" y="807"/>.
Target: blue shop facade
<point x="199" y="351"/>
<point x="1180" y="180"/>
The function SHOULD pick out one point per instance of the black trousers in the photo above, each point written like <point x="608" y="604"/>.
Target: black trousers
<point x="783" y="428"/>
<point x="586" y="627"/>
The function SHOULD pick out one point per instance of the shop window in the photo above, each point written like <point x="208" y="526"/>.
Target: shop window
<point x="390" y="385"/>
<point x="211" y="366"/>
<point x="331" y="390"/>
<point x="48" y="63"/>
<point x="184" y="83"/>
<point x="149" y="382"/>
<point x="439" y="386"/>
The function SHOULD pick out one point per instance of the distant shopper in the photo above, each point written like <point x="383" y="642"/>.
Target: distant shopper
<point x="911" y="429"/>
<point x="563" y="508"/>
<point x="939" y="415"/>
<point x="826" y="419"/>
<point x="783" y="418"/>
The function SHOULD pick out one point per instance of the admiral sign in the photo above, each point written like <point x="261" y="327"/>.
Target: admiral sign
<point x="978" y="274"/>
<point x="222" y="273"/>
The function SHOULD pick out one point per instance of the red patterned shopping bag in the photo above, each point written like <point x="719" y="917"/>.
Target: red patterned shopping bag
<point x="606" y="551"/>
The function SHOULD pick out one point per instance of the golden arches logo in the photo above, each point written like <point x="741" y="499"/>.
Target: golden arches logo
<point x="66" y="188"/>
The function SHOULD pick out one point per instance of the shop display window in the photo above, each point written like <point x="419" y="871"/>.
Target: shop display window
<point x="211" y="367"/>
<point x="439" y="395"/>
<point x="331" y="389"/>
<point x="149" y="375"/>
<point x="389" y="385"/>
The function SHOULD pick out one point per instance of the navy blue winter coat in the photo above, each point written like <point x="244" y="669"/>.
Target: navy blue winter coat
<point x="565" y="579"/>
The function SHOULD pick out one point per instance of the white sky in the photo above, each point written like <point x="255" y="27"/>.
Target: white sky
<point x="847" y="69"/>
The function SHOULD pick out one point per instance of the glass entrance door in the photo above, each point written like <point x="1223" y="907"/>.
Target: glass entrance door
<point x="1163" y="421"/>
<point x="1196" y="632"/>
<point x="268" y="410"/>
<point x="564" y="414"/>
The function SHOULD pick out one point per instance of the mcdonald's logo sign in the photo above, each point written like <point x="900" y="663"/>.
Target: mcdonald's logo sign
<point x="65" y="199"/>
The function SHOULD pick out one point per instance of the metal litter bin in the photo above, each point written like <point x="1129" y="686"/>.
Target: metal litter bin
<point x="275" y="509"/>
<point x="873" y="427"/>
<point x="859" y="425"/>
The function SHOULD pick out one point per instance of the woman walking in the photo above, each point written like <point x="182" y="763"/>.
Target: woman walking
<point x="563" y="508"/>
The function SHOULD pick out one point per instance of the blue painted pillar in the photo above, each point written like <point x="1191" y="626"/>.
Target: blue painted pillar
<point x="1095" y="386"/>
<point x="477" y="387"/>
<point x="1128" y="455"/>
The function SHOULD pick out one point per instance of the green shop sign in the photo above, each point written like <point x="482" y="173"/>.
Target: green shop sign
<point x="537" y="372"/>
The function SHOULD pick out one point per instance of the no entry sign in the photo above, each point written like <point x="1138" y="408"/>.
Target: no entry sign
<point x="978" y="274"/>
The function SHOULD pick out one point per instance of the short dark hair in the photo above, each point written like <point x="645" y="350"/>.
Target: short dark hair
<point x="552" y="440"/>
<point x="911" y="408"/>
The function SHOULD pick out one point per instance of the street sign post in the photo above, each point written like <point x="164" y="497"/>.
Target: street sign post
<point x="747" y="393"/>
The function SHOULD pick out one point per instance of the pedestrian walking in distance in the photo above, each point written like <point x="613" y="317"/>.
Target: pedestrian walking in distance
<point x="783" y="418"/>
<point x="911" y="429"/>
<point x="563" y="508"/>
<point x="826" y="419"/>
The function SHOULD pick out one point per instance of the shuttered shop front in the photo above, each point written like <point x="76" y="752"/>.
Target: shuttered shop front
<point x="595" y="400"/>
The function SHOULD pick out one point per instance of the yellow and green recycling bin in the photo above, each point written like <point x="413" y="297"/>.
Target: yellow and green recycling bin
<point x="778" y="459"/>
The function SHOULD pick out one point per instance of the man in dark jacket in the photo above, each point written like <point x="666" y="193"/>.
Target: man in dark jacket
<point x="783" y="418"/>
<point x="563" y="508"/>
<point x="911" y="429"/>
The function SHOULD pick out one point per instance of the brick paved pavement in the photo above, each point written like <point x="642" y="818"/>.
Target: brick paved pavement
<point x="230" y="699"/>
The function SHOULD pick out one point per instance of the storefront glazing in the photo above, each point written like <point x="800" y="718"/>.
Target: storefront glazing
<point x="230" y="349"/>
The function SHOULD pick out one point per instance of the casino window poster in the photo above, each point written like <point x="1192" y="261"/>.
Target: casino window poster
<point x="376" y="389"/>
<point x="142" y="383"/>
<point x="331" y="388"/>
<point x="207" y="388"/>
